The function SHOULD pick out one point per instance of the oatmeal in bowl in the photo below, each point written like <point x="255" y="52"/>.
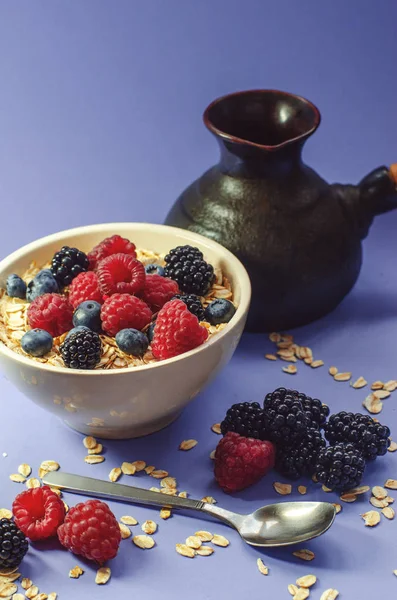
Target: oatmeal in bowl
<point x="156" y="303"/>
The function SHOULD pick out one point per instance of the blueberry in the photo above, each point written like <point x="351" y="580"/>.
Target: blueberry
<point x="219" y="311"/>
<point x="43" y="283"/>
<point x="88" y="313"/>
<point x="36" y="342"/>
<point x="132" y="341"/>
<point x="77" y="329"/>
<point x="16" y="287"/>
<point x="150" y="331"/>
<point x="154" y="270"/>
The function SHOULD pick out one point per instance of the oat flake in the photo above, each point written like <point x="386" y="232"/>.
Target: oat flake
<point x="377" y="385"/>
<point x="332" y="371"/>
<point x="262" y="567"/>
<point x="139" y="465"/>
<point x="304" y="554"/>
<point x="149" y="527"/>
<point x="379" y="492"/>
<point x="9" y="578"/>
<point x="5" y="513"/>
<point x="212" y="455"/>
<point x="17" y="478"/>
<point x="205" y="551"/>
<point x="391" y="484"/>
<point x="33" y="483"/>
<point x="208" y="500"/>
<point x="204" y="536"/>
<point x="392" y="447"/>
<point x="270" y="356"/>
<point x="373" y="404"/>
<point x="125" y="531"/>
<point x="169" y="482"/>
<point x="96" y="450"/>
<point x="102" y="575"/>
<point x="348" y="497"/>
<point x="188" y="444"/>
<point x="143" y="541"/>
<point x="24" y="470"/>
<point x="165" y="513"/>
<point x="31" y="592"/>
<point x="52" y="596"/>
<point x="115" y="474"/>
<point x="26" y="583"/>
<point x="302" y="489"/>
<point x="290" y="369"/>
<point x="371" y="518"/>
<point x="159" y="474"/>
<point x="184" y="550"/>
<point x="325" y="488"/>
<point x="127" y="520"/>
<point x="94" y="459"/>
<point x="330" y="594"/>
<point x="128" y="468"/>
<point x="378" y="503"/>
<point x="9" y="589"/>
<point x="292" y="588"/>
<point x="362" y="489"/>
<point x="359" y="383"/>
<point x="306" y="581"/>
<point x="18" y="597"/>
<point x="149" y="469"/>
<point x="216" y="428"/>
<point x="76" y="572"/>
<point x="390" y="386"/>
<point x="284" y="489"/>
<point x="388" y="512"/>
<point x="193" y="542"/>
<point x="338" y="507"/>
<point x="302" y="594"/>
<point x="317" y="363"/>
<point x="50" y="465"/>
<point x="41" y="597"/>
<point x="220" y="540"/>
<point x="342" y="376"/>
<point x="89" y="442"/>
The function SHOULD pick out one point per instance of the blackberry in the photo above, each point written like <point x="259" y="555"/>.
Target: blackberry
<point x="340" y="467"/>
<point x="67" y="263"/>
<point x="82" y="350"/>
<point x="193" y="303"/>
<point x="13" y="544"/>
<point x="371" y="438"/>
<point x="300" y="459"/>
<point x="246" y="419"/>
<point x="284" y="417"/>
<point x="315" y="411"/>
<point x="186" y="266"/>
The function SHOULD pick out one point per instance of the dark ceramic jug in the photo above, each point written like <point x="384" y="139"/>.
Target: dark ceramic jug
<point x="298" y="236"/>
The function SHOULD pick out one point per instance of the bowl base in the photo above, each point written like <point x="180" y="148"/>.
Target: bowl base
<point x="133" y="431"/>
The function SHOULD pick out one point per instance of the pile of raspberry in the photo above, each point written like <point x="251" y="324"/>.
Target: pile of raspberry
<point x="89" y="529"/>
<point x="109" y="291"/>
<point x="290" y="432"/>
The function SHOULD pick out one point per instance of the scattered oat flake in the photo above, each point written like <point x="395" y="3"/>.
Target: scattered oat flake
<point x="302" y="489"/>
<point x="284" y="489"/>
<point x="392" y="447"/>
<point x="275" y="337"/>
<point x="41" y="597"/>
<point x="381" y="394"/>
<point x="102" y="575"/>
<point x="348" y="497"/>
<point x="184" y="550"/>
<point x="33" y="483"/>
<point x="208" y="500"/>
<point x="26" y="583"/>
<point x="391" y="484"/>
<point x="292" y="588"/>
<point x="325" y="488"/>
<point x="31" y="592"/>
<point x="330" y="594"/>
<point x="193" y="541"/>
<point x="159" y="474"/>
<point x="388" y="512"/>
<point x="9" y="589"/>
<point x="125" y="531"/>
<point x="262" y="567"/>
<point x="216" y="428"/>
<point x="373" y="404"/>
<point x="306" y="581"/>
<point x="390" y="386"/>
<point x="24" y="470"/>
<point x="204" y="536"/>
<point x="10" y="577"/>
<point x="94" y="459"/>
<point x="302" y="594"/>
<point x="139" y="465"/>
<point x="389" y="500"/>
<point x="18" y="597"/>
<point x="115" y="474"/>
<point x="169" y="482"/>
<point x="165" y="513"/>
<point x="317" y="363"/>
<point x="290" y="369"/>
<point x="52" y="596"/>
<point x="270" y="356"/>
<point x="143" y="541"/>
<point x="205" y="551"/>
<point x="149" y="527"/>
<point x="395" y="572"/>
<point x="371" y="518"/>
<point x="89" y="442"/>
<point x="377" y="503"/>
<point x="183" y="494"/>
<point x="17" y="478"/>
<point x="42" y="473"/>
<point x="333" y="371"/>
<point x="342" y="376"/>
<point x="304" y="554"/>
<point x="6" y="572"/>
<point x="5" y="513"/>
<point x="220" y="540"/>
<point x="212" y="455"/>
<point x="76" y="572"/>
<point x="50" y="465"/>
<point x="359" y="383"/>
<point x="154" y="489"/>
<point x="127" y="520"/>
<point x="128" y="468"/>
<point x="188" y="444"/>
<point x="379" y="492"/>
<point x="338" y="507"/>
<point x="96" y="450"/>
<point x="377" y="385"/>
<point x="362" y="489"/>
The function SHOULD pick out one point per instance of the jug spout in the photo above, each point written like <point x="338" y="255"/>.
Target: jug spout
<point x="375" y="194"/>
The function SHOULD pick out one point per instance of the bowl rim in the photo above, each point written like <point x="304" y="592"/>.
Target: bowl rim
<point x="186" y="234"/>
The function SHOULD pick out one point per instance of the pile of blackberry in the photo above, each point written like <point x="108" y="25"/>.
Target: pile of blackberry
<point x="193" y="303"/>
<point x="294" y="423"/>
<point x="67" y="263"/>
<point x="186" y="266"/>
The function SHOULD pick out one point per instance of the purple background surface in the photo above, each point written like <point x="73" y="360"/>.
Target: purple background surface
<point x="100" y="110"/>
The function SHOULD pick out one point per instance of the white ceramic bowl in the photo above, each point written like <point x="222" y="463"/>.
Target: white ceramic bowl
<point x="129" y="402"/>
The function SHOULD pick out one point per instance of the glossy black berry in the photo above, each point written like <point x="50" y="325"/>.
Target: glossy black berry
<point x="284" y="417"/>
<point x="361" y="430"/>
<point x="13" y="544"/>
<point x="315" y="410"/>
<point x="186" y="266"/>
<point x="247" y="419"/>
<point x="193" y="303"/>
<point x="340" y="467"/>
<point x="300" y="459"/>
<point x="82" y="350"/>
<point x="67" y="263"/>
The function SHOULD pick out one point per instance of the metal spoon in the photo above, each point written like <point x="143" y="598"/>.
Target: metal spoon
<point x="278" y="524"/>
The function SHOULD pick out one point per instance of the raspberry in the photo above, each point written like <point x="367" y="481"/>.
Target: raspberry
<point x="110" y="245"/>
<point x="242" y="461"/>
<point x="122" y="311"/>
<point x="85" y="287"/>
<point x="158" y="290"/>
<point x="91" y="530"/>
<point x="121" y="274"/>
<point x="38" y="513"/>
<point x="51" y="312"/>
<point x="177" y="331"/>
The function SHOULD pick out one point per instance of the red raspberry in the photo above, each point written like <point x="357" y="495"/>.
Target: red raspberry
<point x="122" y="311"/>
<point x="120" y="274"/>
<point x="85" y="287"/>
<point x="177" y="331"/>
<point x="51" y="312"/>
<point x="158" y="290"/>
<point x="38" y="513"/>
<point x="110" y="245"/>
<point x="91" y="530"/>
<point x="241" y="461"/>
